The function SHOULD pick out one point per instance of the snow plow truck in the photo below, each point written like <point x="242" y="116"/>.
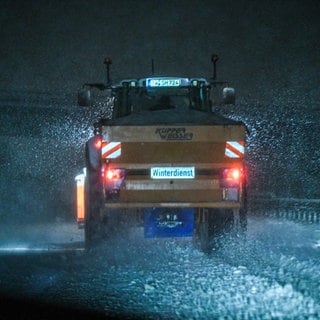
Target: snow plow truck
<point x="161" y="156"/>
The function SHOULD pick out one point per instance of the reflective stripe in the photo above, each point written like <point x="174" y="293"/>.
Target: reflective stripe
<point x="111" y="150"/>
<point x="234" y="149"/>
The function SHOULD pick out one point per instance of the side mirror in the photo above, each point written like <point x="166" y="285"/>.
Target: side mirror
<point x="228" y="95"/>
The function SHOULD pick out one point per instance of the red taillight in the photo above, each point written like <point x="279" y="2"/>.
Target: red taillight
<point x="233" y="173"/>
<point x="114" y="174"/>
<point x="113" y="182"/>
<point x="231" y="177"/>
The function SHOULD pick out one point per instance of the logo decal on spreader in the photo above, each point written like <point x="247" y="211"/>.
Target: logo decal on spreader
<point x="174" y="134"/>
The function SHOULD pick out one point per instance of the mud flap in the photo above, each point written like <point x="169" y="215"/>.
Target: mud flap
<point x="168" y="222"/>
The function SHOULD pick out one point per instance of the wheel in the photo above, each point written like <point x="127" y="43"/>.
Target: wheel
<point x="211" y="224"/>
<point x="204" y="230"/>
<point x="92" y="228"/>
<point x="202" y="237"/>
<point x="93" y="202"/>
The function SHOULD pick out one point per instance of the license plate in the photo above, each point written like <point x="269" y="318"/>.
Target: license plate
<point x="168" y="223"/>
<point x="172" y="173"/>
<point x="152" y="82"/>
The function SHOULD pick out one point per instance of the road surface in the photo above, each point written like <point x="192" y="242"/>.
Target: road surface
<point x="273" y="273"/>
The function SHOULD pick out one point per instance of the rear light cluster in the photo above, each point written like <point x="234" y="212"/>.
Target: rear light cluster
<point x="112" y="174"/>
<point x="113" y="181"/>
<point x="231" y="177"/>
<point x="231" y="180"/>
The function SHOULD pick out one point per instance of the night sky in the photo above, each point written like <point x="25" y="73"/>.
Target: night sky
<point x="269" y="50"/>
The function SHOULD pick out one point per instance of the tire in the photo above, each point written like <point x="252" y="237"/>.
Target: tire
<point x="213" y="224"/>
<point x="93" y="203"/>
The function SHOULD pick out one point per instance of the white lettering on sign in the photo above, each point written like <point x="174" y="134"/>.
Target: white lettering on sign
<point x="172" y="173"/>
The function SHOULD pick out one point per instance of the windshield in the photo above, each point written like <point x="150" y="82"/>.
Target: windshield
<point x="130" y="99"/>
<point x="161" y="99"/>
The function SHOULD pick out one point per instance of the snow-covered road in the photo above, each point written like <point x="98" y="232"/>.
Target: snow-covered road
<point x="272" y="274"/>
